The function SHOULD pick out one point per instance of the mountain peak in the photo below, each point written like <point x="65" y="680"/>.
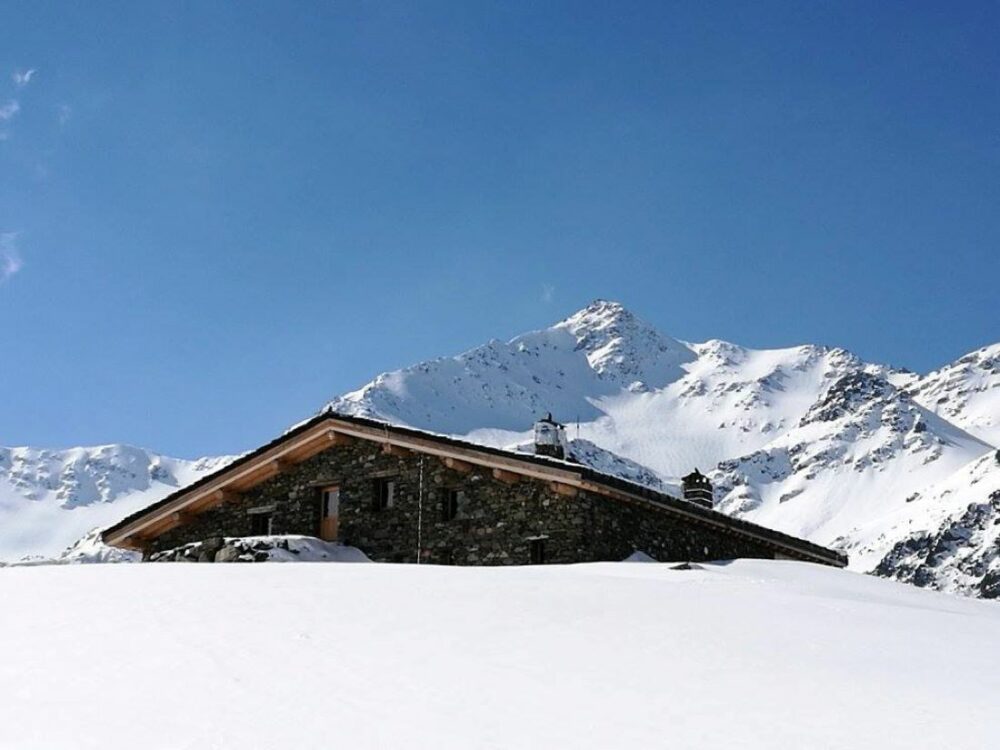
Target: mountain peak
<point x="600" y="313"/>
<point x="622" y="347"/>
<point x="607" y="304"/>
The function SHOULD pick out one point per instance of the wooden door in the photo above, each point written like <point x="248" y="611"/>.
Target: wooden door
<point x="329" y="510"/>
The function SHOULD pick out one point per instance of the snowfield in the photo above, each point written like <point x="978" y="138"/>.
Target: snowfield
<point x="752" y="654"/>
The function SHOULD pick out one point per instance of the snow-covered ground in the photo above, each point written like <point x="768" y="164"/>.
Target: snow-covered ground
<point x="615" y="655"/>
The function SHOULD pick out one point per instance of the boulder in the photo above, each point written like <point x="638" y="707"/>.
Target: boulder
<point x="213" y="544"/>
<point x="229" y="553"/>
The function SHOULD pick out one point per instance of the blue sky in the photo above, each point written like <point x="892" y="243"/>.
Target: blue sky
<point x="215" y="216"/>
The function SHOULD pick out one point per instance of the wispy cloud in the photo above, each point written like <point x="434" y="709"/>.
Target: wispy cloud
<point x="22" y="78"/>
<point x="64" y="112"/>
<point x="548" y="293"/>
<point x="9" y="109"/>
<point x="10" y="259"/>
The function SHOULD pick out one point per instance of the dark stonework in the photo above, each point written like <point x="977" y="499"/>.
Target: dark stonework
<point x="494" y="525"/>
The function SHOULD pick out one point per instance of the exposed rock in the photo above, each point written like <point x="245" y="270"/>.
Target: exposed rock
<point x="260" y="549"/>
<point x="229" y="553"/>
<point x="962" y="556"/>
<point x="213" y="544"/>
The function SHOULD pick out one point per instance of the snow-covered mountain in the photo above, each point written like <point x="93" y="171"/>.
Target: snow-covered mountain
<point x="810" y="440"/>
<point x="846" y="473"/>
<point x="966" y="392"/>
<point x="50" y="498"/>
<point x="959" y="548"/>
<point x="620" y="384"/>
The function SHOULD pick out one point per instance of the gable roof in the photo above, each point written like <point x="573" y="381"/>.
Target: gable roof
<point x="330" y="428"/>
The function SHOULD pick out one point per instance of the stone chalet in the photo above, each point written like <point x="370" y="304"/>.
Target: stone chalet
<point x="405" y="495"/>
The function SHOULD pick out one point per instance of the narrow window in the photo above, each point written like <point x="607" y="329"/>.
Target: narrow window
<point x="329" y="513"/>
<point x="384" y="494"/>
<point x="261" y="524"/>
<point x="331" y="501"/>
<point x="536" y="549"/>
<point x="450" y="504"/>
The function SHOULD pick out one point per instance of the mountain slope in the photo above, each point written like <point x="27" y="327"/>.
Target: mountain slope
<point x="684" y="405"/>
<point x="51" y="498"/>
<point x="967" y="392"/>
<point x="506" y="386"/>
<point x="845" y="475"/>
<point x="957" y="547"/>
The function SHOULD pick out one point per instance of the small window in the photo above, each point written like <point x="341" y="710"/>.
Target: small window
<point x="536" y="550"/>
<point x="384" y="494"/>
<point x="260" y="524"/>
<point x="450" y="504"/>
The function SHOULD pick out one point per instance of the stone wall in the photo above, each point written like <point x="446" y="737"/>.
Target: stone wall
<point x="620" y="528"/>
<point x="494" y="525"/>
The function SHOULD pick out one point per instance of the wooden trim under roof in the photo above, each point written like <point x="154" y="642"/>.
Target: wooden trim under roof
<point x="328" y="429"/>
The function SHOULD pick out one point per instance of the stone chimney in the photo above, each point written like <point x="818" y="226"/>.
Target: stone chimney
<point x="550" y="439"/>
<point x="697" y="489"/>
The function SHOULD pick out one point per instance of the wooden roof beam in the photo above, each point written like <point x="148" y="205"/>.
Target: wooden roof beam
<point x="391" y="449"/>
<point x="339" y="438"/>
<point x="456" y="464"/>
<point x="261" y="473"/>
<point x="507" y="477"/>
<point x="566" y="490"/>
<point x="211" y="499"/>
<point x="134" y="542"/>
<point x="327" y="440"/>
<point x="225" y="496"/>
